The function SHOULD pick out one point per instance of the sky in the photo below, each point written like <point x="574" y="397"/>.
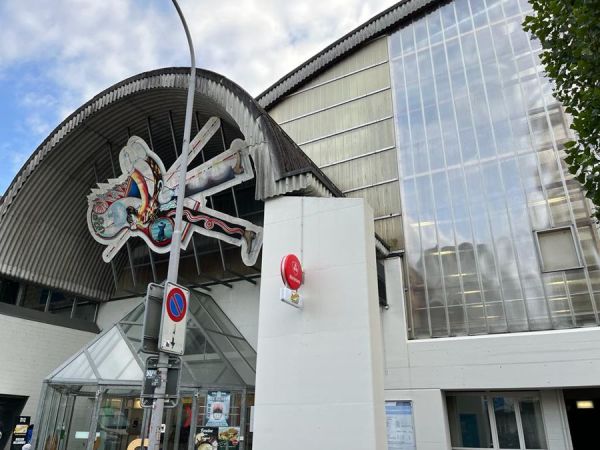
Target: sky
<point x="55" y="55"/>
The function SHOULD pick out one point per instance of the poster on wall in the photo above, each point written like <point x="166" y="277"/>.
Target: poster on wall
<point x="20" y="432"/>
<point x="207" y="438"/>
<point x="217" y="408"/>
<point x="229" y="438"/>
<point x="400" y="428"/>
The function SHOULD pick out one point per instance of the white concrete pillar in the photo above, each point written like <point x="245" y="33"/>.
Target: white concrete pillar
<point x="319" y="380"/>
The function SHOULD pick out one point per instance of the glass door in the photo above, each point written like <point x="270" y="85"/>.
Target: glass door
<point x="498" y="420"/>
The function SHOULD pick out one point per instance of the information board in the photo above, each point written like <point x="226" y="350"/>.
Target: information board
<point x="400" y="427"/>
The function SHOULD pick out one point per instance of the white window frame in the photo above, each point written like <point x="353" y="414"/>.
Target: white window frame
<point x="575" y="245"/>
<point x="515" y="395"/>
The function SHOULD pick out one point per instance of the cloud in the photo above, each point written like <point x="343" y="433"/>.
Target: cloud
<point x="56" y="55"/>
<point x="84" y="46"/>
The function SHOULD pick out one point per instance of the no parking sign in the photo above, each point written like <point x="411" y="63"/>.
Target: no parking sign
<point x="174" y="315"/>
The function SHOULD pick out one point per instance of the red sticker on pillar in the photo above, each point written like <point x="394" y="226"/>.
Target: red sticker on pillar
<point x="293" y="277"/>
<point x="291" y="271"/>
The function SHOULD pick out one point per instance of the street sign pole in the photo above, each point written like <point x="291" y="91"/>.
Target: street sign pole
<point x="163" y="358"/>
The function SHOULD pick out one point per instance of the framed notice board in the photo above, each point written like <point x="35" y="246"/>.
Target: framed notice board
<point x="400" y="425"/>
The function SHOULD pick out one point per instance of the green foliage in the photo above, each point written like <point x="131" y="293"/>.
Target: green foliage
<point x="569" y="31"/>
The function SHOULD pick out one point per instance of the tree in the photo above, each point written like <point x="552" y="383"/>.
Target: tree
<point x="569" y="31"/>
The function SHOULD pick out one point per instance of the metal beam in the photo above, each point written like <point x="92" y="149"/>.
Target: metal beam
<point x="21" y="294"/>
<point x="74" y="308"/>
<point x="48" y="300"/>
<point x="172" y="126"/>
<point x="243" y="277"/>
<point x="151" y="256"/>
<point x="149" y="128"/>
<point x="131" y="265"/>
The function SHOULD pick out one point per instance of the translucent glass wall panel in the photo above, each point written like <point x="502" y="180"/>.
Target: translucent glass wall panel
<point x="480" y="145"/>
<point x="343" y="120"/>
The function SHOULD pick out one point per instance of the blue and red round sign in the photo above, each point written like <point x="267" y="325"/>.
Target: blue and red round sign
<point x="176" y="304"/>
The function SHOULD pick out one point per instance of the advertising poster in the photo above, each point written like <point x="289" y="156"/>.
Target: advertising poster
<point x="217" y="408"/>
<point x="400" y="429"/>
<point x="20" y="432"/>
<point x="207" y="438"/>
<point x="229" y="438"/>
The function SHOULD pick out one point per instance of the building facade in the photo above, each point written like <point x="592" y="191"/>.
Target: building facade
<point x="447" y="125"/>
<point x="435" y="120"/>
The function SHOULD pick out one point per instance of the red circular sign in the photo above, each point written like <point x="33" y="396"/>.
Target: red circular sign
<point x="291" y="271"/>
<point x="176" y="304"/>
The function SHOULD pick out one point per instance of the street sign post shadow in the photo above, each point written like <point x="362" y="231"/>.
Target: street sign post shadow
<point x="152" y="318"/>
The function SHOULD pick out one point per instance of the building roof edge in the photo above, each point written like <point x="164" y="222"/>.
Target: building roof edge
<point x="372" y="28"/>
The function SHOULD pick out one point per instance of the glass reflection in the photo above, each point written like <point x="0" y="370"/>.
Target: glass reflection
<point x="480" y="146"/>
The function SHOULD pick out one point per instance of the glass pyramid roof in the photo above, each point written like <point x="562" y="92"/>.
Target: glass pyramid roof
<point x="216" y="354"/>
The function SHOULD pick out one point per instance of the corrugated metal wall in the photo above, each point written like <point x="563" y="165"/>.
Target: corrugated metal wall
<point x="343" y="120"/>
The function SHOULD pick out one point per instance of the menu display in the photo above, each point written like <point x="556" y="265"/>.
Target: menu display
<point x="207" y="438"/>
<point x="229" y="438"/>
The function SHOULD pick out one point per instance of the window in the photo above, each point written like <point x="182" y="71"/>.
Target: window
<point x="496" y="420"/>
<point x="557" y="250"/>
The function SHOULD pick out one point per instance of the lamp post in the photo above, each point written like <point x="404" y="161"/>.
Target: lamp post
<point x="163" y="358"/>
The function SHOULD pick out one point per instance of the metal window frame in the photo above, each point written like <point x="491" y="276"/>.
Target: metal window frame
<point x="488" y="396"/>
<point x="578" y="252"/>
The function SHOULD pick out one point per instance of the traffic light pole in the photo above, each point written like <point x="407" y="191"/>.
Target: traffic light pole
<point x="163" y="358"/>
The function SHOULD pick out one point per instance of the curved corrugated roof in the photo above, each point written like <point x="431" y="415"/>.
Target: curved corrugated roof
<point x="43" y="232"/>
<point x="373" y="28"/>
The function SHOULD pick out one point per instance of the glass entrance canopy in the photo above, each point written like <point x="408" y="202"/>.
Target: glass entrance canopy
<point x="97" y="391"/>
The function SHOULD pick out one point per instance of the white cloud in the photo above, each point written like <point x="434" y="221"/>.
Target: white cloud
<point x="84" y="46"/>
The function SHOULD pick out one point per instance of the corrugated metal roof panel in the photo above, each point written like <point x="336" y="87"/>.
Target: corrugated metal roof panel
<point x="44" y="237"/>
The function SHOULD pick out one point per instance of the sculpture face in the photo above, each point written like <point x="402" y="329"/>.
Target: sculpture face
<point x="141" y="202"/>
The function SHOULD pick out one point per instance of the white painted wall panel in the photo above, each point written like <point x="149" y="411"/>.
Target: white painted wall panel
<point x="111" y="312"/>
<point x="319" y="381"/>
<point x="30" y="351"/>
<point x="240" y="303"/>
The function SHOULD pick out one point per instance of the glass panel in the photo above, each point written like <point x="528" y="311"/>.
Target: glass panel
<point x="480" y="170"/>
<point x="85" y="311"/>
<point x="113" y="358"/>
<point x="557" y="249"/>
<point x="506" y="422"/>
<point x="469" y="421"/>
<point x="177" y="425"/>
<point x="80" y="423"/>
<point x="533" y="425"/>
<point x="119" y="421"/>
<point x="78" y="369"/>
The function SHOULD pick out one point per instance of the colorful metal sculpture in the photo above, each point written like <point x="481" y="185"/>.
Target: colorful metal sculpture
<point x="141" y="202"/>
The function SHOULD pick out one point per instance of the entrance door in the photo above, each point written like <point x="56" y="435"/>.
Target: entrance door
<point x="498" y="420"/>
<point x="10" y="409"/>
<point x="583" y="413"/>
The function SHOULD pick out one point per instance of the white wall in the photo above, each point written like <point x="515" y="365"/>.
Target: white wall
<point x="111" y="312"/>
<point x="29" y="352"/>
<point x="240" y="303"/>
<point x="421" y="370"/>
<point x="319" y="381"/>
